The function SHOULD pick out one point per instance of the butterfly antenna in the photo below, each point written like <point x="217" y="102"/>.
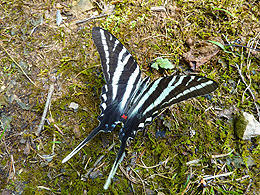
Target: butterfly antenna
<point x="82" y="144"/>
<point x="120" y="157"/>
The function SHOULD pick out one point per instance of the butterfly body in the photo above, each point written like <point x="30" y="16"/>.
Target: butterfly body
<point x="128" y="99"/>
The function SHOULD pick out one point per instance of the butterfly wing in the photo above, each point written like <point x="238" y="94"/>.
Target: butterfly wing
<point x="165" y="92"/>
<point x="153" y="97"/>
<point x="123" y="77"/>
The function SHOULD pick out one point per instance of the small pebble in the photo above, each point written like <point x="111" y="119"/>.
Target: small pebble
<point x="74" y="106"/>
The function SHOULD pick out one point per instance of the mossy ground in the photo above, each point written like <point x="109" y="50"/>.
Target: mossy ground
<point x="30" y="35"/>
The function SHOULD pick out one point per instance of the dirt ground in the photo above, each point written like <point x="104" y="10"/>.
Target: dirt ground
<point x="194" y="147"/>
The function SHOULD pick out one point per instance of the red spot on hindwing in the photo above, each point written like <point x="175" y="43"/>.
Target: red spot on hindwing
<point x="124" y="116"/>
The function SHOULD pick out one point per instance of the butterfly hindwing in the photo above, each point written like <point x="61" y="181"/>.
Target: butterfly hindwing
<point x="162" y="93"/>
<point x="167" y="91"/>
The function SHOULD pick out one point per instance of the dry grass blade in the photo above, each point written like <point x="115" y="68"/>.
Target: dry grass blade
<point x="1" y="44"/>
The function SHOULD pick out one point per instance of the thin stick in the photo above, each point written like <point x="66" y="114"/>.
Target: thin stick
<point x="250" y="91"/>
<point x="145" y="167"/>
<point x="87" y="163"/>
<point x="48" y="101"/>
<point x="139" y="178"/>
<point x="18" y="65"/>
<point x="12" y="162"/>
<point x="91" y="18"/>
<point x="123" y="171"/>
<point x="98" y="160"/>
<point x="216" y="176"/>
<point x="242" y="178"/>
<point x="222" y="155"/>
<point x="54" y="140"/>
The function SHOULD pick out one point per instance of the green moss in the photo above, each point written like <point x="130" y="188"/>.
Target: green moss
<point x="71" y="55"/>
<point x="240" y="124"/>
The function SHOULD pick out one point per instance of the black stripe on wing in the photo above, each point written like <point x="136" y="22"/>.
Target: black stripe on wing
<point x="122" y="74"/>
<point x="116" y="60"/>
<point x="165" y="92"/>
<point x="170" y="90"/>
<point x="83" y="143"/>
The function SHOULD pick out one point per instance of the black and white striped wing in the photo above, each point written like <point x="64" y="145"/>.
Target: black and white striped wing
<point x="123" y="77"/>
<point x="167" y="91"/>
<point x="161" y="93"/>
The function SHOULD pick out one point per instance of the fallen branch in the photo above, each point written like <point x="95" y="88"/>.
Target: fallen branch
<point x="48" y="101"/>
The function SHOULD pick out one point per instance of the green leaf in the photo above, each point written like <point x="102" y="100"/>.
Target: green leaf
<point x="220" y="9"/>
<point x="155" y="65"/>
<point x="220" y="45"/>
<point x="2" y="134"/>
<point x="163" y="63"/>
<point x="56" y="142"/>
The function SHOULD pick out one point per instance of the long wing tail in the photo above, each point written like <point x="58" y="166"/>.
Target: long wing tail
<point x="83" y="143"/>
<point x="120" y="157"/>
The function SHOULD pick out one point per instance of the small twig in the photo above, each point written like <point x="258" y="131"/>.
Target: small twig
<point x="216" y="176"/>
<point x="242" y="178"/>
<point x="160" y="175"/>
<point x="74" y="168"/>
<point x="51" y="120"/>
<point x="47" y="157"/>
<point x="43" y="188"/>
<point x="87" y="163"/>
<point x="139" y="178"/>
<point x="53" y="146"/>
<point x="123" y="171"/>
<point x="58" y="129"/>
<point x="11" y="166"/>
<point x="192" y="162"/>
<point x="91" y="18"/>
<point x="48" y="101"/>
<point x="145" y="167"/>
<point x="250" y="91"/>
<point x="222" y="155"/>
<point x="98" y="160"/>
<point x="18" y="65"/>
<point x="159" y="9"/>
<point x="96" y="168"/>
<point x="154" y="166"/>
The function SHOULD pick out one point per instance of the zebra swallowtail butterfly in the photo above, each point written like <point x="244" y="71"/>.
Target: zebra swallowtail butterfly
<point x="128" y="99"/>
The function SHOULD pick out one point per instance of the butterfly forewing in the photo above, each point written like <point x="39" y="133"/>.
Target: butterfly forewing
<point x="122" y="75"/>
